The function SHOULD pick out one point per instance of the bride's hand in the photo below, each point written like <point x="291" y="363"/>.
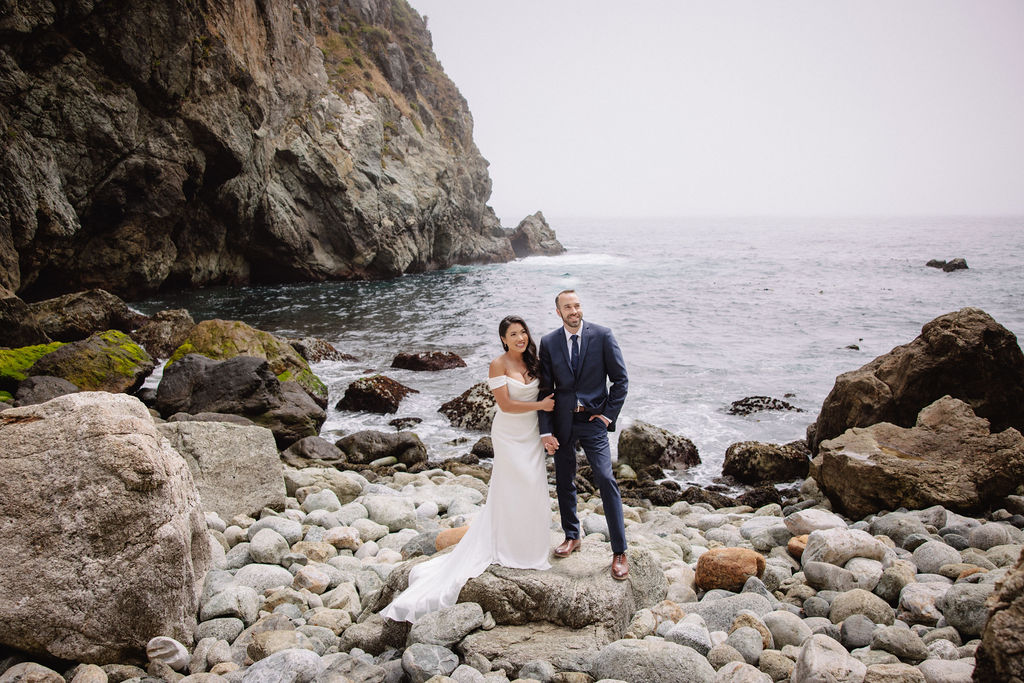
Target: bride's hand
<point x="547" y="404"/>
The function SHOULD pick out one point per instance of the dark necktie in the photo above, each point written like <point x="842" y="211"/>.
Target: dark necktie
<point x="574" y="359"/>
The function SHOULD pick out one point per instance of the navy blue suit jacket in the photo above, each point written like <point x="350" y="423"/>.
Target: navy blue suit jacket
<point x="600" y="361"/>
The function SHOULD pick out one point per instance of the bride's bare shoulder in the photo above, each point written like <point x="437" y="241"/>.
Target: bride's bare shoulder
<point x="497" y="367"/>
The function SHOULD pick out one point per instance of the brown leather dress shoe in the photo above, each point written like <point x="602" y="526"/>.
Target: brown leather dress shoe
<point x="567" y="547"/>
<point x="620" y="566"/>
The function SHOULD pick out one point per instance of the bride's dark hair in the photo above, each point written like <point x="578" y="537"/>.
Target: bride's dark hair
<point x="530" y="354"/>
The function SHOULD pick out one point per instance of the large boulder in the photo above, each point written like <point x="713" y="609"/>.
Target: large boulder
<point x="104" y="542"/>
<point x="106" y="361"/>
<point x="244" y="386"/>
<point x="949" y="458"/>
<point x="165" y="332"/>
<point x="224" y="339"/>
<point x="652" y="661"/>
<point x="316" y="350"/>
<point x="17" y="326"/>
<point x="313" y="451"/>
<point x="1001" y="654"/>
<point x="642" y="444"/>
<point x="575" y="593"/>
<point x="375" y="394"/>
<point x="534" y="237"/>
<point x="368" y="445"/>
<point x="473" y="409"/>
<point x="965" y="354"/>
<point x="236" y="469"/>
<point x="752" y="462"/>
<point x="79" y="315"/>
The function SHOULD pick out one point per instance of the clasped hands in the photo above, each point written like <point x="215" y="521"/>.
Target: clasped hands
<point x="551" y="443"/>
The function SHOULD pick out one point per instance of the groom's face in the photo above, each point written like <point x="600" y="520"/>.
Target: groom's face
<point x="570" y="310"/>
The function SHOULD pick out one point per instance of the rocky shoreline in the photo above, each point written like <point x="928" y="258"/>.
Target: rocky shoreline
<point x="215" y="536"/>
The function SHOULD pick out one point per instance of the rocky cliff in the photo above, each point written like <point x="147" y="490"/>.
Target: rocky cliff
<point x="179" y="143"/>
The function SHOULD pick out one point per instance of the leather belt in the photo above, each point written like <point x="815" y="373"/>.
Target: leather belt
<point x="580" y="409"/>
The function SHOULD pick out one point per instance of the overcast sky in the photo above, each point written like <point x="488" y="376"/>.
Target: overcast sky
<point x="741" y="107"/>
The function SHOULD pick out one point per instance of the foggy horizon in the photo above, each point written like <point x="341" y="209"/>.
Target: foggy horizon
<point x="672" y="108"/>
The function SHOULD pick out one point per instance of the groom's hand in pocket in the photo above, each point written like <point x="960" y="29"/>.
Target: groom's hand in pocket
<point x="602" y="418"/>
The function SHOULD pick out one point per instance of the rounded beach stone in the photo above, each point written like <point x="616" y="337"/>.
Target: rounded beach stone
<point x="786" y="628"/>
<point x="728" y="568"/>
<point x="738" y="672"/>
<point x="901" y="642"/>
<point x="989" y="535"/>
<point x="290" y="529"/>
<point x="894" y="672"/>
<point x="538" y="670"/>
<point x="652" y="661"/>
<point x="839" y="546"/>
<point x="723" y="653"/>
<point x="297" y="665"/>
<point x="898" y="574"/>
<point x="235" y="601"/>
<point x="421" y="661"/>
<point x="860" y="601"/>
<point x="963" y="606"/>
<point x="225" y="628"/>
<point x="929" y="557"/>
<point x="866" y="573"/>
<point x="748" y="642"/>
<point x="343" y="538"/>
<point x="260" y="577"/>
<point x="776" y="665"/>
<point x="30" y="672"/>
<point x="803" y="522"/>
<point x="947" y="670"/>
<point x="369" y="530"/>
<point x="797" y="545"/>
<point x="918" y="602"/>
<point x="167" y="651"/>
<point x="325" y="499"/>
<point x="267" y="546"/>
<point x="856" y="631"/>
<point x="755" y="622"/>
<point x="311" y="578"/>
<point x="449" y="537"/>
<point x="821" y="658"/>
<point x="89" y="673"/>
<point x="691" y="635"/>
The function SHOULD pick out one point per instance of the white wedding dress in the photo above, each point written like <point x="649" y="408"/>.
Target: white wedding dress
<point x="512" y="530"/>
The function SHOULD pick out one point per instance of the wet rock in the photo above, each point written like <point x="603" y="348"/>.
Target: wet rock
<point x="243" y="385"/>
<point x="428" y="361"/>
<point x="483" y="448"/>
<point x="473" y="409"/>
<point x="164" y="332"/>
<point x="376" y="394"/>
<point x="642" y="444"/>
<point x="753" y="462"/>
<point x="949" y="458"/>
<point x="79" y="315"/>
<point x="367" y="446"/>
<point x="755" y="404"/>
<point x="965" y="354"/>
<point x="316" y="350"/>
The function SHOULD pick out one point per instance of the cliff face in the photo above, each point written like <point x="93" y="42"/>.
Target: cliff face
<point x="180" y="143"/>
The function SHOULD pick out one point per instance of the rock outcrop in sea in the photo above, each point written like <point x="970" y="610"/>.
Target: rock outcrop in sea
<point x="168" y="145"/>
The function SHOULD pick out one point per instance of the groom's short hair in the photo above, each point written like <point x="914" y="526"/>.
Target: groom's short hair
<point x="559" y="295"/>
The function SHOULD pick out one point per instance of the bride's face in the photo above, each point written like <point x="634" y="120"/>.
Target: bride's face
<point x="516" y="338"/>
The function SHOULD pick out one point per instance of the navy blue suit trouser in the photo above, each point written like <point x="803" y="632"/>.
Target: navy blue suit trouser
<point x="593" y="436"/>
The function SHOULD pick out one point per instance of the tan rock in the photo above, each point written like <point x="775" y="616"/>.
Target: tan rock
<point x="797" y="545"/>
<point x="316" y="551"/>
<point x="450" y="537"/>
<point x="728" y="568"/>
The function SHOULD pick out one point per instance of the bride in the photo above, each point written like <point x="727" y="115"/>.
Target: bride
<point x="513" y="529"/>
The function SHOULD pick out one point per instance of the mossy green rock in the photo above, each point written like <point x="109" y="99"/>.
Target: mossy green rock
<point x="223" y="339"/>
<point x="15" y="363"/>
<point x="106" y="361"/>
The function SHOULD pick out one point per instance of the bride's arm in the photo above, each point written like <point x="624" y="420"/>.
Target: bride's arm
<point x="506" y="402"/>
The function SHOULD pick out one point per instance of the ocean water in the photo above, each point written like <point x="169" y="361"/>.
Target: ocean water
<point x="706" y="311"/>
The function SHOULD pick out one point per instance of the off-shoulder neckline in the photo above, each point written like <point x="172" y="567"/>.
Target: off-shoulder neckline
<point x="525" y="384"/>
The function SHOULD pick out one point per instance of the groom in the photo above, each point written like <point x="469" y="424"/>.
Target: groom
<point x="576" y="361"/>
